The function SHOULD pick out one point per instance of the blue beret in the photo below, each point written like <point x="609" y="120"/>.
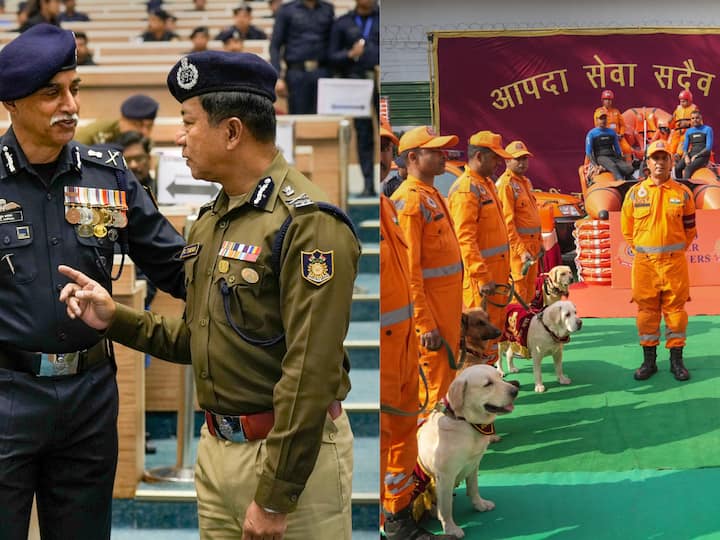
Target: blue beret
<point x="229" y="33"/>
<point x="30" y="60"/>
<point x="139" y="107"/>
<point x="221" y="71"/>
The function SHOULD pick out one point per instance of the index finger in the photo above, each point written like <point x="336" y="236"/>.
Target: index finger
<point x="75" y="275"/>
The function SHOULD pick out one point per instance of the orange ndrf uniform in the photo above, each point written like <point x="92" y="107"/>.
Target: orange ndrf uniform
<point x="435" y="277"/>
<point x="524" y="231"/>
<point x="399" y="357"/>
<point x="658" y="223"/>
<point x="681" y="115"/>
<point x="481" y="233"/>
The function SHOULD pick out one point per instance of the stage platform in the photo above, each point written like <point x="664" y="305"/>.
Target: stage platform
<point x="603" y="301"/>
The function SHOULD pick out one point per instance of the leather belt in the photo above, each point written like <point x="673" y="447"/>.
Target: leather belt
<point x="251" y="427"/>
<point x="306" y="65"/>
<point x="53" y="364"/>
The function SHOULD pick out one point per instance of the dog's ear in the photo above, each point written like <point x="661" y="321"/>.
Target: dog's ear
<point x="553" y="273"/>
<point x="456" y="395"/>
<point x="554" y="315"/>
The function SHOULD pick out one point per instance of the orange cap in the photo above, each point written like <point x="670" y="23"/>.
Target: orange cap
<point x="488" y="139"/>
<point x="517" y="149"/>
<point x="600" y="111"/>
<point x="658" y="146"/>
<point x="425" y="137"/>
<point x="385" y="131"/>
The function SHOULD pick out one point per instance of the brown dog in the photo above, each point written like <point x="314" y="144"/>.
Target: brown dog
<point x="476" y="330"/>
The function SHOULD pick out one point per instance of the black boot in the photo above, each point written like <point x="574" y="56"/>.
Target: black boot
<point x="402" y="526"/>
<point x="649" y="365"/>
<point x="676" y="364"/>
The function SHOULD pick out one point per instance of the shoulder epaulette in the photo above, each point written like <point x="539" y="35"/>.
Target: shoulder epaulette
<point x="102" y="155"/>
<point x="206" y="207"/>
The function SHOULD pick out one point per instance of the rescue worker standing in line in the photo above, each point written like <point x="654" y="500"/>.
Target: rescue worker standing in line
<point x="434" y="258"/>
<point x="696" y="147"/>
<point x="522" y="220"/>
<point x="399" y="357"/>
<point x="62" y="203"/>
<point x="270" y="280"/>
<point x="480" y="228"/>
<point x="658" y="223"/>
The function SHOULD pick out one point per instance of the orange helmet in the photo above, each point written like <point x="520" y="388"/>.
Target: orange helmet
<point x="686" y="94"/>
<point x="607" y="94"/>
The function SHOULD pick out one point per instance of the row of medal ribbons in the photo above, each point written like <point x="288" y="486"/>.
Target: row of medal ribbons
<point x="95" y="211"/>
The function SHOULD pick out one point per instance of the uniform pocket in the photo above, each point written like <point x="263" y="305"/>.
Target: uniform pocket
<point x="96" y="253"/>
<point x="238" y="286"/>
<point x="18" y="262"/>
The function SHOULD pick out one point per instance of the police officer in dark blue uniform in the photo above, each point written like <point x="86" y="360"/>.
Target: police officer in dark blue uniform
<point x="61" y="203"/>
<point x="301" y="37"/>
<point x="355" y="53"/>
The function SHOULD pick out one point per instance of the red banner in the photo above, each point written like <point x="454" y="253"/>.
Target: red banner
<point x="542" y="86"/>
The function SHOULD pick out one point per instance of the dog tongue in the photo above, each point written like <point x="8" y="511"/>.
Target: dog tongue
<point x="509" y="408"/>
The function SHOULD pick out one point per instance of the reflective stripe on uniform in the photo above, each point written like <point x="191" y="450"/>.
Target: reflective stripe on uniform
<point x="674" y="335"/>
<point x="427" y="214"/>
<point x="528" y="230"/>
<point x="474" y="189"/>
<point x="649" y="337"/>
<point x="489" y="252"/>
<point x="395" y="316"/>
<point x="392" y="481"/>
<point x="442" y="270"/>
<point x="660" y="249"/>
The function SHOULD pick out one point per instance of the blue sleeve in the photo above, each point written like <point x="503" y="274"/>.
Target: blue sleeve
<point x="588" y="144"/>
<point x="336" y="50"/>
<point x="708" y="138"/>
<point x="616" y="145"/>
<point x="277" y="40"/>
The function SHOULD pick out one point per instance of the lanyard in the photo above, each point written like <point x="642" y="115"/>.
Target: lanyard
<point x="366" y="27"/>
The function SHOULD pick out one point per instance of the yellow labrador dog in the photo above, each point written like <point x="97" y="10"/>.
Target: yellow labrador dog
<point x="452" y="441"/>
<point x="556" y="284"/>
<point x="547" y="332"/>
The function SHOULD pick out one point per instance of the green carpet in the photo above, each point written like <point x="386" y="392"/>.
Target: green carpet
<point x="607" y="456"/>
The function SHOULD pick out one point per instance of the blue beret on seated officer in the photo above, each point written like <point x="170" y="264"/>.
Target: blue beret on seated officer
<point x="139" y="107"/>
<point x="51" y="50"/>
<point x="219" y="71"/>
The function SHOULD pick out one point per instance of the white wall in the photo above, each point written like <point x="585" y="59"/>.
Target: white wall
<point x="405" y="23"/>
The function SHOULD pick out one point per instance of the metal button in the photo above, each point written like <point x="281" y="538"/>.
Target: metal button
<point x="231" y="279"/>
<point x="331" y="436"/>
<point x="209" y="272"/>
<point x="223" y="224"/>
<point x="54" y="241"/>
<point x="203" y="375"/>
<point x="203" y="322"/>
<point x="59" y="287"/>
<point x="6" y="240"/>
<point x="61" y="335"/>
<point x="293" y="498"/>
<point x="49" y="196"/>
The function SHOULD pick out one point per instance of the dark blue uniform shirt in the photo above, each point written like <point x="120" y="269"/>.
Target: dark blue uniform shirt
<point x="35" y="238"/>
<point x="346" y="31"/>
<point x="302" y="33"/>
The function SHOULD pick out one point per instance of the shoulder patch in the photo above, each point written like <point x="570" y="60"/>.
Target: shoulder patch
<point x="191" y="250"/>
<point x="102" y="155"/>
<point x="317" y="266"/>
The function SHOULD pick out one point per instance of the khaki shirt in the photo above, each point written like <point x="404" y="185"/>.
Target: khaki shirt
<point x="99" y="132"/>
<point x="309" y="300"/>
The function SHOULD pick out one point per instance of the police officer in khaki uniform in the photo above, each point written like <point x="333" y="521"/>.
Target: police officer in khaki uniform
<point x="270" y="272"/>
<point x="137" y="113"/>
<point x="61" y="202"/>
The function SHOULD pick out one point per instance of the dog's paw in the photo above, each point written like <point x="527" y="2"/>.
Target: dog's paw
<point x="564" y="380"/>
<point x="539" y="388"/>
<point x="454" y="530"/>
<point x="483" y="505"/>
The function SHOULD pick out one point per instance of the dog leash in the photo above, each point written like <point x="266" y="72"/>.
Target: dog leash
<point x="506" y="290"/>
<point x="389" y="409"/>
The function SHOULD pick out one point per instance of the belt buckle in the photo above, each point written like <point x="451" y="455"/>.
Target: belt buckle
<point x="54" y="365"/>
<point x="230" y="428"/>
<point x="311" y="65"/>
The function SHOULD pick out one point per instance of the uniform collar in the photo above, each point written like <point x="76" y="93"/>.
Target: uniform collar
<point x="12" y="156"/>
<point x="265" y="193"/>
<point x="419" y="184"/>
<point x="475" y="175"/>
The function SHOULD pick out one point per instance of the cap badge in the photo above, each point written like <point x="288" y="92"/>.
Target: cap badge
<point x="431" y="131"/>
<point x="519" y="146"/>
<point x="187" y="75"/>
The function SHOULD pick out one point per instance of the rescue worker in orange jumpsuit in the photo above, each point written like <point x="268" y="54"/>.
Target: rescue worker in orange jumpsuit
<point x="658" y="223"/>
<point x="399" y="357"/>
<point x="480" y="228"/>
<point x="522" y="219"/>
<point x="434" y="258"/>
<point x="680" y="120"/>
<point x="663" y="132"/>
<point x="615" y="120"/>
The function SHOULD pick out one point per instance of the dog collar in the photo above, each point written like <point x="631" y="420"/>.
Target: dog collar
<point x="444" y="407"/>
<point x="557" y="338"/>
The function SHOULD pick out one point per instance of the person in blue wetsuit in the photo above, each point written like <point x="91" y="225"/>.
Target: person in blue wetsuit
<point x="696" y="147"/>
<point x="602" y="148"/>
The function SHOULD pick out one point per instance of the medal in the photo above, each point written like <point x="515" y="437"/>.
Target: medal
<point x="100" y="231"/>
<point x="95" y="216"/>
<point x="223" y="266"/>
<point x="85" y="230"/>
<point x="250" y="275"/>
<point x="86" y="216"/>
<point x="120" y="220"/>
<point x="112" y="234"/>
<point x="72" y="215"/>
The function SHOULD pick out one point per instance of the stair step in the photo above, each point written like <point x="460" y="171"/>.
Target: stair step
<point x="369" y="231"/>
<point x="370" y="258"/>
<point x="366" y="298"/>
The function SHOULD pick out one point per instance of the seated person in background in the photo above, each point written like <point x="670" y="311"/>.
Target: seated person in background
<point x="233" y="42"/>
<point x="615" y="120"/>
<point x="602" y="149"/>
<point x="200" y="37"/>
<point x="696" y="147"/>
<point x="41" y="11"/>
<point x="199" y="5"/>
<point x="70" y="14"/>
<point x="242" y="23"/>
<point x="137" y="113"/>
<point x="171" y="26"/>
<point x="663" y="132"/>
<point x="84" y="55"/>
<point x="157" y="27"/>
<point x="680" y="120"/>
<point x="21" y="15"/>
